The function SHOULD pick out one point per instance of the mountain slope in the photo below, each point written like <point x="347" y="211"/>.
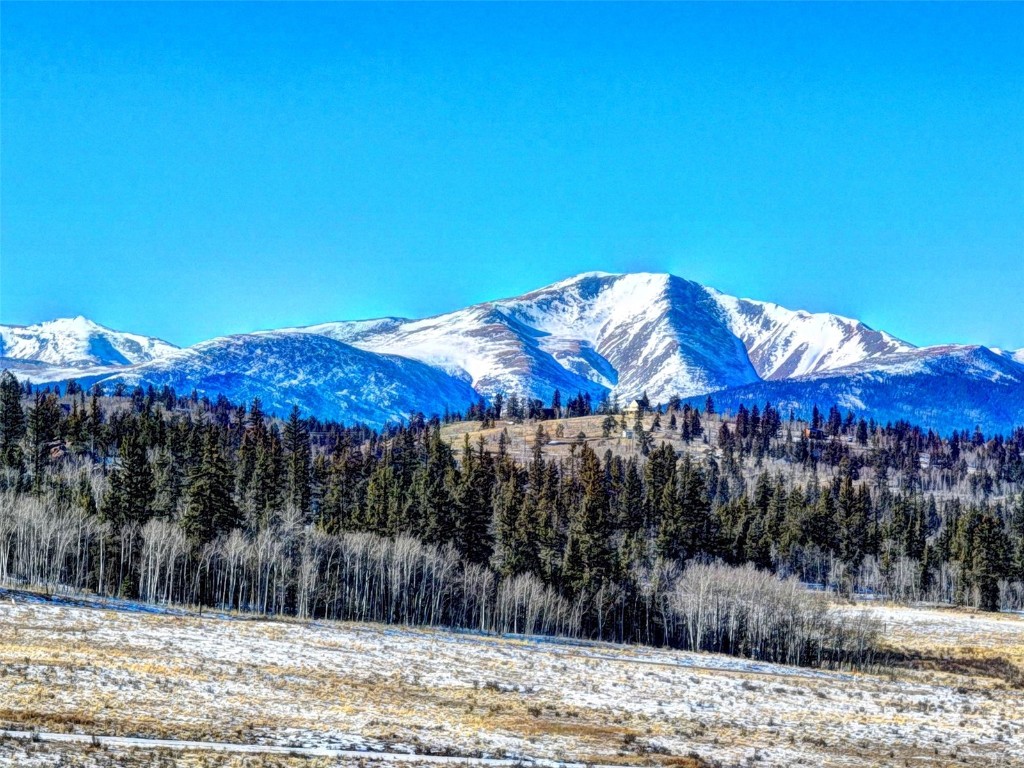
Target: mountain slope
<point x="322" y="376"/>
<point x="1016" y="355"/>
<point x="481" y="345"/>
<point x="594" y="333"/>
<point x="78" y="343"/>
<point x="942" y="388"/>
<point x="660" y="333"/>
<point x="783" y="343"/>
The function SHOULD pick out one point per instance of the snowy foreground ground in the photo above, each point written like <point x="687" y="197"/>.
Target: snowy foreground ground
<point x="952" y="695"/>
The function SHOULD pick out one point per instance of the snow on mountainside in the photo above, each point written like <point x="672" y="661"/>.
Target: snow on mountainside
<point x="973" y="362"/>
<point x="481" y="345"/>
<point x="660" y="333"/>
<point x="599" y="333"/>
<point x="783" y="343"/>
<point x="77" y="343"/>
<point x="943" y="388"/>
<point x="320" y="375"/>
<point x="595" y="333"/>
<point x="1017" y="355"/>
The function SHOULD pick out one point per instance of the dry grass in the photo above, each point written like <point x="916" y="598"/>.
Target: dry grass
<point x="343" y="685"/>
<point x="985" y="649"/>
<point x="522" y="436"/>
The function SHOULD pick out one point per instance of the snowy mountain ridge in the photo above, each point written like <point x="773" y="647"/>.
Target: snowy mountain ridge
<point x="783" y="343"/>
<point x="595" y="333"/>
<point x="77" y="342"/>
<point x="609" y="335"/>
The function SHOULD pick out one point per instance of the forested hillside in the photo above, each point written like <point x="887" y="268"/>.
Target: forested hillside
<point x="164" y="497"/>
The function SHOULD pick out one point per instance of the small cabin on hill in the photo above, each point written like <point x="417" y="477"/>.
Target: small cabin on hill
<point x="632" y="408"/>
<point x="814" y="434"/>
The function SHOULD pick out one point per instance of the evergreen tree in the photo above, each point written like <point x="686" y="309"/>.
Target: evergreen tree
<point x="511" y="554"/>
<point x="131" y="493"/>
<point x="43" y="429"/>
<point x="983" y="550"/>
<point x="853" y="513"/>
<point x="12" y="422"/>
<point x="437" y="519"/>
<point x="298" y="461"/>
<point x="472" y="500"/>
<point x="210" y="509"/>
<point x="381" y="512"/>
<point x="588" y="558"/>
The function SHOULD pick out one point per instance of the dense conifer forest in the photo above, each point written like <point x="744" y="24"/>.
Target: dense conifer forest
<point x="158" y="496"/>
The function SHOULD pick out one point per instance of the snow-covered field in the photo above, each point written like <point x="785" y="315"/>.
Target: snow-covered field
<point x="120" y="672"/>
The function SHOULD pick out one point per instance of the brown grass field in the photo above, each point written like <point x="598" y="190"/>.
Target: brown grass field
<point x="951" y="696"/>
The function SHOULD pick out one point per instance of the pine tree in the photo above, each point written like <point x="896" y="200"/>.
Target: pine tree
<point x="131" y="493"/>
<point x="587" y="553"/>
<point x="671" y="539"/>
<point x="700" y="519"/>
<point x="472" y="501"/>
<point x="643" y="439"/>
<point x="12" y="422"/>
<point x="210" y="510"/>
<point x="1017" y="537"/>
<point x="381" y="512"/>
<point x="168" y="484"/>
<point x="992" y="562"/>
<point x="820" y="526"/>
<point x="436" y="508"/>
<point x="298" y="462"/>
<point x="511" y="555"/>
<point x="43" y="428"/>
<point x="853" y="512"/>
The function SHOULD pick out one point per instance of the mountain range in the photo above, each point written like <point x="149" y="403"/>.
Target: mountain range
<point x="604" y="334"/>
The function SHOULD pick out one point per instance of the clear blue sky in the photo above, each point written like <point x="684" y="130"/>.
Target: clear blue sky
<point x="189" y="169"/>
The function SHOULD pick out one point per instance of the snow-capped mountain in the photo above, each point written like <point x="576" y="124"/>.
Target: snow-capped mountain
<point x="596" y="333"/>
<point x="76" y="342"/>
<point x="782" y="343"/>
<point x="626" y="334"/>
<point x="943" y="387"/>
<point x="320" y="375"/>
<point x="599" y="333"/>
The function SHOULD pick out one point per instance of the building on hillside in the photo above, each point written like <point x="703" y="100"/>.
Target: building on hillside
<point x="632" y="408"/>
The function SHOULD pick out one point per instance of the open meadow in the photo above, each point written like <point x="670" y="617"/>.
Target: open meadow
<point x="327" y="693"/>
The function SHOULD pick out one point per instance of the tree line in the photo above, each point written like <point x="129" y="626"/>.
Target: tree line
<point x="162" y="497"/>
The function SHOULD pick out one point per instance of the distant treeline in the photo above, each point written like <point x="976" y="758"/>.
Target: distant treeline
<point x="153" y="495"/>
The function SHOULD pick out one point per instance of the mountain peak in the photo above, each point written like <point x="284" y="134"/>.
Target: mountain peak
<point x="76" y="324"/>
<point x="78" y="342"/>
<point x="605" y="334"/>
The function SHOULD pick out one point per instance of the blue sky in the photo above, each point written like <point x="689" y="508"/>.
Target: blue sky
<point x="188" y="169"/>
